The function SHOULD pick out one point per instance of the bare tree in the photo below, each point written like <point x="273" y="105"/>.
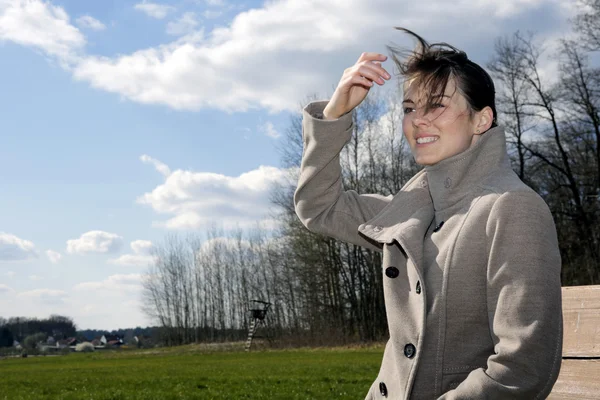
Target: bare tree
<point x="508" y="67"/>
<point x="587" y="23"/>
<point x="555" y="133"/>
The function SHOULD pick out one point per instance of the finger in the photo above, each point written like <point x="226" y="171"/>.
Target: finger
<point x="376" y="66"/>
<point x="370" y="73"/>
<point x="372" y="57"/>
<point x="361" y="80"/>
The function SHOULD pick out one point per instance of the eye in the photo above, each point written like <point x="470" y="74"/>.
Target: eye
<point x="408" y="110"/>
<point x="438" y="105"/>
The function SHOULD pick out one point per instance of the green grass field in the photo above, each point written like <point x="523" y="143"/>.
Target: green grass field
<point x="193" y="372"/>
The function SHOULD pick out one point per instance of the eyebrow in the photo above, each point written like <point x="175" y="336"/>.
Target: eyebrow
<point x="437" y="95"/>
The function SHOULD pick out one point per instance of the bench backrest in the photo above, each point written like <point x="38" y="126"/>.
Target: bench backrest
<point x="580" y="371"/>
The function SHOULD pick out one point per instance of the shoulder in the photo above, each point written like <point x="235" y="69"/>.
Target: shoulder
<point x="506" y="198"/>
<point x="505" y="180"/>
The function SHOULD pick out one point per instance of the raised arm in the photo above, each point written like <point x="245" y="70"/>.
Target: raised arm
<point x="321" y="203"/>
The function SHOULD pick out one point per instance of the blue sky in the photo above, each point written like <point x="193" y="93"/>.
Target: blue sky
<point x="125" y="121"/>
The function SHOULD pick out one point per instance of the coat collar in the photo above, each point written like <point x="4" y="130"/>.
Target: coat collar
<point x="452" y="179"/>
<point x="408" y="216"/>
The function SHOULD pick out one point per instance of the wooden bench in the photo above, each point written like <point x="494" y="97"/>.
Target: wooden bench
<point x="580" y="371"/>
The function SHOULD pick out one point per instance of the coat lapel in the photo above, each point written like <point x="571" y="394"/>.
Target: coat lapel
<point x="405" y="220"/>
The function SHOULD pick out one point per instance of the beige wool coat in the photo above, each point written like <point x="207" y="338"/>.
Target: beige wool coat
<point x="471" y="268"/>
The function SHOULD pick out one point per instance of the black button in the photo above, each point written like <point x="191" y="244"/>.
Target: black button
<point x="383" y="389"/>
<point x="439" y="226"/>
<point x="418" y="287"/>
<point x="409" y="350"/>
<point x="392" y="272"/>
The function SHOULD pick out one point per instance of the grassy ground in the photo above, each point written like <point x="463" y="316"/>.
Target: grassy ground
<point x="193" y="372"/>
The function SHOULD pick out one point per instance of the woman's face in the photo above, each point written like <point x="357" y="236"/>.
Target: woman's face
<point x="444" y="131"/>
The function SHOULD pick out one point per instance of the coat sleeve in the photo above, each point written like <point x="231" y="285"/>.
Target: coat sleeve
<point x="524" y="303"/>
<point x="321" y="203"/>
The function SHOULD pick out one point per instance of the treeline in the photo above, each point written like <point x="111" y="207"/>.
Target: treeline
<point x="150" y="336"/>
<point x="19" y="328"/>
<point x="60" y="327"/>
<point x="28" y="332"/>
<point x="325" y="291"/>
<point x="126" y="334"/>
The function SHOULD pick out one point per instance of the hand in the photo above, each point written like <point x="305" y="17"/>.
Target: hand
<point x="355" y="84"/>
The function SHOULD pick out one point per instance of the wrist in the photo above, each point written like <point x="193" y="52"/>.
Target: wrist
<point x="329" y="115"/>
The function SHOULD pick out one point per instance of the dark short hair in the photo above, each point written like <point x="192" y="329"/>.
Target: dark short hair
<point x="432" y="65"/>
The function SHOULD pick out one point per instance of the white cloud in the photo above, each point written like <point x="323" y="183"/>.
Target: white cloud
<point x="154" y="10"/>
<point x="45" y="296"/>
<point x="11" y="274"/>
<point x="40" y="25"/>
<point x="211" y="73"/>
<point x="211" y="14"/>
<point x="53" y="256"/>
<point x="118" y="283"/>
<point x="95" y="242"/>
<point x="43" y="292"/>
<point x="5" y="289"/>
<point x="215" y="3"/>
<point x="270" y="131"/>
<point x="143" y="247"/>
<point x="187" y="23"/>
<point x="197" y="199"/>
<point x="89" y="22"/>
<point x="142" y="255"/>
<point x="504" y="9"/>
<point x="13" y="248"/>
<point x="133" y="260"/>
<point x="89" y="309"/>
<point x="274" y="56"/>
<point x="159" y="166"/>
<point x="269" y="57"/>
<point x="35" y="277"/>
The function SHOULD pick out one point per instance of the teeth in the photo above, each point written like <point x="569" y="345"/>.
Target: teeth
<point x="427" y="139"/>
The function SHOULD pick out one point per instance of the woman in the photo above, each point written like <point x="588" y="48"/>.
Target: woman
<point x="471" y="266"/>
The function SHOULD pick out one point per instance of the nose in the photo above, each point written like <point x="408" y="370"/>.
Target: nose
<point x="420" y="118"/>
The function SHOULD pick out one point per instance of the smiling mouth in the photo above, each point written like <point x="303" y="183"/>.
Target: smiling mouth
<point x="429" y="139"/>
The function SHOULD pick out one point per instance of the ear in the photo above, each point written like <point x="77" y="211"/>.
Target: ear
<point x="483" y="120"/>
